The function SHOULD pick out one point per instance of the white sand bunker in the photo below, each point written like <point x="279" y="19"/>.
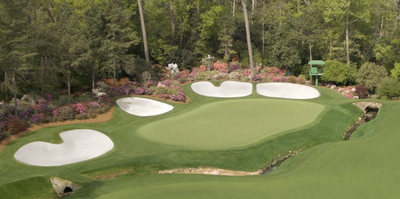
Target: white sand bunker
<point x="287" y="90"/>
<point x="142" y="106"/>
<point x="78" y="145"/>
<point x="227" y="89"/>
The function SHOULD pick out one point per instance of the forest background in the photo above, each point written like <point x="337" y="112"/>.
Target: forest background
<point x="50" y="45"/>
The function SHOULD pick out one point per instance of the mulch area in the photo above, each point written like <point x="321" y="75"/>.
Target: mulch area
<point x="100" y="118"/>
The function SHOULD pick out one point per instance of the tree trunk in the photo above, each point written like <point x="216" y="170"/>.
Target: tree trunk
<point x="246" y="21"/>
<point x="172" y="21"/>
<point x="330" y="42"/>
<point x="42" y="76"/>
<point x="146" y="50"/>
<point x="5" y="85"/>
<point x="93" y="72"/>
<point x="115" y="71"/>
<point x="263" y="33"/>
<point x="15" y="92"/>
<point x="310" y="48"/>
<point x="233" y="8"/>
<point x="347" y="40"/>
<point x="69" y="85"/>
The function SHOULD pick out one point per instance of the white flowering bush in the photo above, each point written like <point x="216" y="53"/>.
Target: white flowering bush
<point x="173" y="69"/>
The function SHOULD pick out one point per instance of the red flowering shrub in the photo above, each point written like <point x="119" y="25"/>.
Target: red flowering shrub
<point x="221" y="67"/>
<point x="15" y="125"/>
<point x="361" y="91"/>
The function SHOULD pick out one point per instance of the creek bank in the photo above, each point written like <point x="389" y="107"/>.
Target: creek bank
<point x="275" y="163"/>
<point x="370" y="111"/>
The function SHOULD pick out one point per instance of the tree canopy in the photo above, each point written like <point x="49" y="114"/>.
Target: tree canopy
<point x="53" y="40"/>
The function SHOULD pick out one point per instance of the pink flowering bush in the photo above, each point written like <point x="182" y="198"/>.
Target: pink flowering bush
<point x="80" y="108"/>
<point x="139" y="91"/>
<point x="64" y="113"/>
<point x="169" y="90"/>
<point x="221" y="67"/>
<point x="277" y="79"/>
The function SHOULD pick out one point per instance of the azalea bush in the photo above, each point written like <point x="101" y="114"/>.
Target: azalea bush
<point x="64" y="113"/>
<point x="15" y="124"/>
<point x="168" y="89"/>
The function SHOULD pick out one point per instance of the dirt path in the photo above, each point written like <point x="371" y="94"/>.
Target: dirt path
<point x="100" y="118"/>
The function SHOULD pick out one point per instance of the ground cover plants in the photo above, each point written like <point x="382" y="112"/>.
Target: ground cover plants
<point x="144" y="157"/>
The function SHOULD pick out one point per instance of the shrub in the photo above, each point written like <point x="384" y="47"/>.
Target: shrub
<point x="93" y="105"/>
<point x="338" y="72"/>
<point x="301" y="79"/>
<point x="234" y="76"/>
<point x="15" y="124"/>
<point x="81" y="116"/>
<point x="234" y="66"/>
<point x="36" y="119"/>
<point x="292" y="79"/>
<point x="277" y="79"/>
<point x="80" y="108"/>
<point x="370" y="75"/>
<point x="106" y="99"/>
<point x="266" y="79"/>
<point x="64" y="113"/>
<point x="139" y="91"/>
<point x="148" y="91"/>
<point x="221" y="67"/>
<point x="361" y="91"/>
<point x="389" y="87"/>
<point x="92" y="113"/>
<point x="257" y="78"/>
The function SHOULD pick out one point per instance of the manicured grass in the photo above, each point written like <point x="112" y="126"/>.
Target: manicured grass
<point x="364" y="167"/>
<point x="230" y="124"/>
<point x="35" y="187"/>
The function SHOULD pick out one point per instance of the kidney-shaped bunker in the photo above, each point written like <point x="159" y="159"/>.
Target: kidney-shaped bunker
<point x="78" y="145"/>
<point x="287" y="90"/>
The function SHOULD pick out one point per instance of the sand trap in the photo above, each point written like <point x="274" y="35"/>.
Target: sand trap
<point x="227" y="89"/>
<point x="78" y="145"/>
<point x="287" y="90"/>
<point x="143" y="107"/>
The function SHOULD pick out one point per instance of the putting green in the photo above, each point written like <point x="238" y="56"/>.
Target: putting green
<point x="231" y="124"/>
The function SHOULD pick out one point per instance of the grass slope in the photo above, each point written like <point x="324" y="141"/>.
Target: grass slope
<point x="145" y="157"/>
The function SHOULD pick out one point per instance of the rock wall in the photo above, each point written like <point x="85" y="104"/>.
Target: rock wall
<point x="59" y="186"/>
<point x="363" y="105"/>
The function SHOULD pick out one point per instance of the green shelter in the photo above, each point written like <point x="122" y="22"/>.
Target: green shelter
<point x="315" y="70"/>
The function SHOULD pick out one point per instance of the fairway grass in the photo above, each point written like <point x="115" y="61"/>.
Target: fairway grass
<point x="231" y="124"/>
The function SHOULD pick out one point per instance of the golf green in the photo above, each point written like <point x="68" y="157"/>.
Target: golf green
<point x="232" y="123"/>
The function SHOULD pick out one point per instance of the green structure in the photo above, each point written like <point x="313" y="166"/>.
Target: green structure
<point x="315" y="70"/>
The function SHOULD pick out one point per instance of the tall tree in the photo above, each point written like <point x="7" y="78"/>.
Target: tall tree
<point x="119" y="36"/>
<point x="246" y="20"/>
<point x="16" y="41"/>
<point x="144" y="35"/>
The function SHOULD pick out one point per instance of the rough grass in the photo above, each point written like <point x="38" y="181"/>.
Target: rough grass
<point x="329" y="168"/>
